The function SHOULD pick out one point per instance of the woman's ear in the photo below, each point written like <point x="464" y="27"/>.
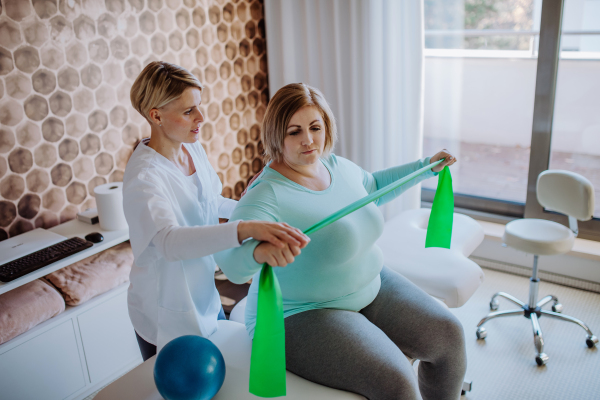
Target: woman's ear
<point x="155" y="116"/>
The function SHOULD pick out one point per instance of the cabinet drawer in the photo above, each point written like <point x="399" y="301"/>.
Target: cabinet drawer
<point x="45" y="367"/>
<point x="108" y="338"/>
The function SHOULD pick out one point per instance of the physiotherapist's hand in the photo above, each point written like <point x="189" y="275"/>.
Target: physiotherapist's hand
<point x="275" y="256"/>
<point x="449" y="160"/>
<point x="278" y="234"/>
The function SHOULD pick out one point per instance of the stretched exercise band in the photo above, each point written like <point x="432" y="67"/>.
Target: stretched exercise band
<point x="439" y="229"/>
<point x="267" y="363"/>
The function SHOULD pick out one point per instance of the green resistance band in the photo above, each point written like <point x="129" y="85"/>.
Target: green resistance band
<point x="439" y="229"/>
<point x="267" y="363"/>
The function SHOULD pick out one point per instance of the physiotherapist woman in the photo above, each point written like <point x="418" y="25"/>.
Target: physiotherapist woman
<point x="172" y="202"/>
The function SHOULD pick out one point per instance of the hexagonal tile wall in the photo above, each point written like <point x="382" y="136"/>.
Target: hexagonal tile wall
<point x="66" y="68"/>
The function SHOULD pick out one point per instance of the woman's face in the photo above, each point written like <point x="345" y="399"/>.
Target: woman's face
<point x="304" y="138"/>
<point x="181" y="118"/>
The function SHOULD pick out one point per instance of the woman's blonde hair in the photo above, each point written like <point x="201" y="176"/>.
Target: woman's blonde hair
<point x="282" y="107"/>
<point x="159" y="84"/>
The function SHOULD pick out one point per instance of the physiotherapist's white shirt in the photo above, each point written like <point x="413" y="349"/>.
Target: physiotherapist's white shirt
<point x="174" y="230"/>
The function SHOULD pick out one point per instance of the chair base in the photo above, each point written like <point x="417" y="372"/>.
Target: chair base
<point x="534" y="313"/>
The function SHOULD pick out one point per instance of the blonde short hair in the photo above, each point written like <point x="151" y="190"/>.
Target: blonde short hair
<point x="159" y="84"/>
<point x="282" y="107"/>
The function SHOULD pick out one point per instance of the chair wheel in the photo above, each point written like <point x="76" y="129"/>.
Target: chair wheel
<point x="462" y="392"/>
<point x="541" y="359"/>
<point x="557" y="308"/>
<point x="591" y="341"/>
<point x="481" y="333"/>
<point x="494" y="305"/>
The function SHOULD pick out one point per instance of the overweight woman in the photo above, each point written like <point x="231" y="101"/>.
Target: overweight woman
<point x="172" y="203"/>
<point x="349" y="320"/>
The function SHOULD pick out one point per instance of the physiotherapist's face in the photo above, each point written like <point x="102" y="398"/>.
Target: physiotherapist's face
<point x="304" y="138"/>
<point x="181" y="118"/>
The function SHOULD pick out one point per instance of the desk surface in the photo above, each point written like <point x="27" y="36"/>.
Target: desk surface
<point x="70" y="229"/>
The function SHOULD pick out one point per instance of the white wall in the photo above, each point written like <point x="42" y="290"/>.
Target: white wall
<point x="490" y="101"/>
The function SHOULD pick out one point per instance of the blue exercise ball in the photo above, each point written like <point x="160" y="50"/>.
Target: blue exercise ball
<point x="189" y="368"/>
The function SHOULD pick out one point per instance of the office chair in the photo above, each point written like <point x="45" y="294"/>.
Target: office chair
<point x="564" y="192"/>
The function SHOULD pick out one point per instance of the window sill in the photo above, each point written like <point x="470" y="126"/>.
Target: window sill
<point x="582" y="248"/>
<point x="493" y="228"/>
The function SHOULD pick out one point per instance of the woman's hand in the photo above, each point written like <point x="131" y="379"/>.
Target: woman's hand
<point x="275" y="256"/>
<point x="449" y="160"/>
<point x="279" y="234"/>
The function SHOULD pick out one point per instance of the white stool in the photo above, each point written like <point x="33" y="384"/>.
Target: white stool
<point x="565" y="192"/>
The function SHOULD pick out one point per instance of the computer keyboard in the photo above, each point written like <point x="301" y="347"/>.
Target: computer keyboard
<point x="31" y="262"/>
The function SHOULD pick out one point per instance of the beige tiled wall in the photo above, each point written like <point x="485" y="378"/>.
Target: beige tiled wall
<point x="66" y="67"/>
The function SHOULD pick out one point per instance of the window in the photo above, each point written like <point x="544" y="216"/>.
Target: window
<point x="479" y="98"/>
<point x="481" y="85"/>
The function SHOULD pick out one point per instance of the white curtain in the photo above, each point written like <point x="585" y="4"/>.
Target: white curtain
<point x="366" y="56"/>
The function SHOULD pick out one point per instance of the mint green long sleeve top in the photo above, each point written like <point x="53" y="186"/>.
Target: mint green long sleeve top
<point x="340" y="267"/>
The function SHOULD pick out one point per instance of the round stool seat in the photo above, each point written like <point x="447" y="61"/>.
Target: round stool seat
<point x="538" y="236"/>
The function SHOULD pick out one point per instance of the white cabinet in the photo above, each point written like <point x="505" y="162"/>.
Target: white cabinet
<point x="45" y="367"/>
<point x="108" y="337"/>
<point x="73" y="354"/>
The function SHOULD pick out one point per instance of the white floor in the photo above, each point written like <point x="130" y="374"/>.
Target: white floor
<point x="503" y="365"/>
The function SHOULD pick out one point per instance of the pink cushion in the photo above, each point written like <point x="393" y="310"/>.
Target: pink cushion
<point x="27" y="306"/>
<point x="94" y="275"/>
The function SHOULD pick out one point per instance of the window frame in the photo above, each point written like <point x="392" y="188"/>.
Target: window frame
<point x="543" y="117"/>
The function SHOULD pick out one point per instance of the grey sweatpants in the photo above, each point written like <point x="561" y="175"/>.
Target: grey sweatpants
<point x="363" y="352"/>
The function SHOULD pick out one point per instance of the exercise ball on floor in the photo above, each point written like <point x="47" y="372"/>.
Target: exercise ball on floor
<point x="189" y="368"/>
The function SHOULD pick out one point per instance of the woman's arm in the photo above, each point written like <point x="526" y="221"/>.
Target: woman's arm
<point x="187" y="242"/>
<point x="241" y="263"/>
<point x="377" y="180"/>
<point x="382" y="178"/>
<point x="152" y="222"/>
<point x="176" y="242"/>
